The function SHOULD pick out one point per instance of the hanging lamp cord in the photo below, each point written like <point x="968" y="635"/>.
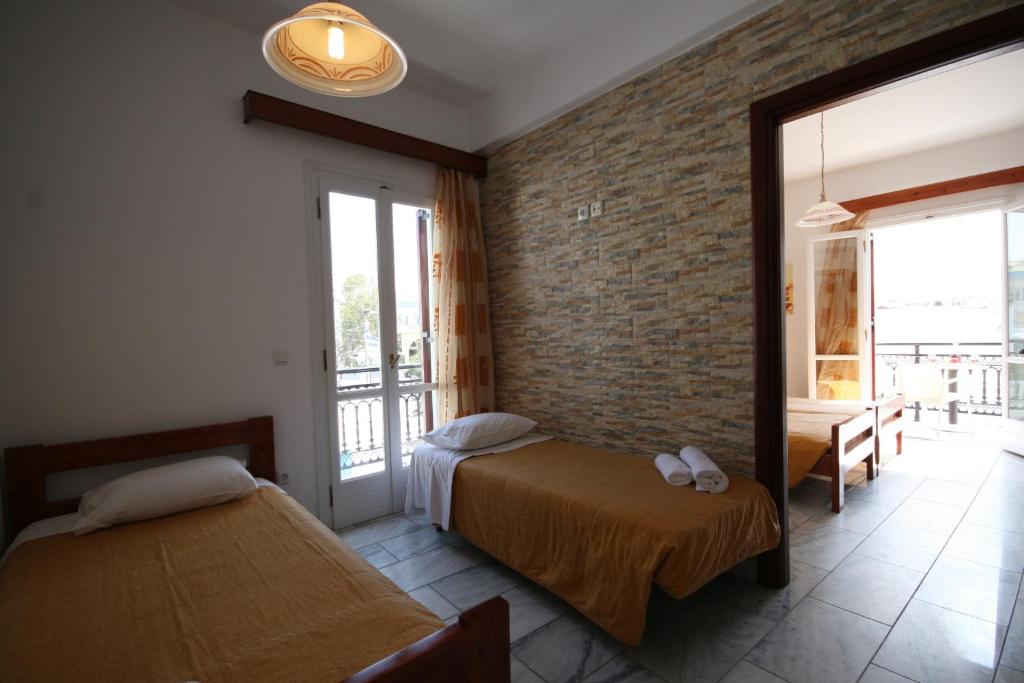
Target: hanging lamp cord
<point x="822" y="156"/>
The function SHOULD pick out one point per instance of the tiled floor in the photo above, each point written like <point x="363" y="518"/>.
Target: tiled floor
<point x="919" y="578"/>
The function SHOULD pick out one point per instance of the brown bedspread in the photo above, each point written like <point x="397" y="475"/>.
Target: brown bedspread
<point x="252" y="590"/>
<point x="598" y="528"/>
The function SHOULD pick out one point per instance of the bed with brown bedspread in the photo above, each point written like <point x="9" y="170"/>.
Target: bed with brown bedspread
<point x="600" y="528"/>
<point x="254" y="589"/>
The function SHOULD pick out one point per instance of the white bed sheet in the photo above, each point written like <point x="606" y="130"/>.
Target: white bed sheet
<point x="432" y="472"/>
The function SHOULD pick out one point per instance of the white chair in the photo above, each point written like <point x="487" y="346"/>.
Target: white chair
<point x="927" y="384"/>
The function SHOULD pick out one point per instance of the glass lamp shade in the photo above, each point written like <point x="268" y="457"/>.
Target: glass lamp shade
<point x="824" y="213"/>
<point x="332" y="49"/>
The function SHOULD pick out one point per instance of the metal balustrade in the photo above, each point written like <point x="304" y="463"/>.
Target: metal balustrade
<point x="981" y="361"/>
<point x="361" y="426"/>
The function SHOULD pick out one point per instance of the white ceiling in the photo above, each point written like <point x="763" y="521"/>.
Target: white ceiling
<point x="514" y="64"/>
<point x="969" y="102"/>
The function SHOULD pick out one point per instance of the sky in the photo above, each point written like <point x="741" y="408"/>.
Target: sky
<point x="940" y="259"/>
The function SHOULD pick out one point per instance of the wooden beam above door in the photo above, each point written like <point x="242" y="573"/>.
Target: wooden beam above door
<point x="1007" y="176"/>
<point x="285" y="113"/>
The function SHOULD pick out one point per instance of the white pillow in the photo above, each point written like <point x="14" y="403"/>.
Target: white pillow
<point x="162" y="491"/>
<point x="479" y="431"/>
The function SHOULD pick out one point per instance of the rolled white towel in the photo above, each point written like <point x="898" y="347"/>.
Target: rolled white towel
<point x="707" y="474"/>
<point x="673" y="469"/>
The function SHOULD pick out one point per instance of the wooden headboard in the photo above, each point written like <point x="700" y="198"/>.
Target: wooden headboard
<point x="28" y="466"/>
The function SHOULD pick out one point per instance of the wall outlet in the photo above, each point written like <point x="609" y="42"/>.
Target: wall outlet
<point x="596" y="208"/>
<point x="582" y="213"/>
<point x="282" y="478"/>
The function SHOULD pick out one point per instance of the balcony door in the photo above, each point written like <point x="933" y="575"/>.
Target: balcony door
<point x="1014" y="428"/>
<point x="377" y="351"/>
<point x="838" y="326"/>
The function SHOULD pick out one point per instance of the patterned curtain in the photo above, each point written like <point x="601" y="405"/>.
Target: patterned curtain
<point x="461" y="316"/>
<point x="835" y="321"/>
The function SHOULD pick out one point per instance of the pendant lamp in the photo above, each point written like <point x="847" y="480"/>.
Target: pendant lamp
<point x="332" y="49"/>
<point x="824" y="212"/>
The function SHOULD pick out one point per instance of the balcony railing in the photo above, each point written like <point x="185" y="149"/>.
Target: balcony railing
<point x="361" y="426"/>
<point x="981" y="368"/>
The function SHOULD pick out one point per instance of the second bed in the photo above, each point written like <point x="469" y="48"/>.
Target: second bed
<point x="600" y="528"/>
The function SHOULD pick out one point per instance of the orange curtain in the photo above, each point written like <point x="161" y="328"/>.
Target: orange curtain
<point x="835" y="320"/>
<point x="462" y="315"/>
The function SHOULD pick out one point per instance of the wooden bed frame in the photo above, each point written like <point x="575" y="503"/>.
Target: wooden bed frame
<point x="853" y="441"/>
<point x="858" y="439"/>
<point x="476" y="649"/>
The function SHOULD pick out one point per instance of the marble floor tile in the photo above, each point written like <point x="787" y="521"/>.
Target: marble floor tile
<point x="819" y="642"/>
<point x="890" y="489"/>
<point x="911" y="548"/>
<point x="811" y="493"/>
<point x="419" y="518"/>
<point x="822" y="546"/>
<point x="1003" y="549"/>
<point x="801" y="512"/>
<point x="771" y="603"/>
<point x="377" y="530"/>
<point x="934" y="644"/>
<point x="871" y="588"/>
<point x="997" y="513"/>
<point x="1008" y="466"/>
<point x="856" y="515"/>
<point x="430" y="599"/>
<point x="876" y="674"/>
<point x="699" y="642"/>
<point x="526" y="614"/>
<point x="978" y="590"/>
<point x="476" y="584"/>
<point x="745" y="672"/>
<point x="925" y="515"/>
<point x="544" y="597"/>
<point x="1005" y="489"/>
<point x="568" y="649"/>
<point x="1007" y="675"/>
<point x="433" y="565"/>
<point x="522" y="674"/>
<point x="1013" y="649"/>
<point x="622" y="670"/>
<point x="405" y="546"/>
<point x="946" y="492"/>
<point x="377" y="556"/>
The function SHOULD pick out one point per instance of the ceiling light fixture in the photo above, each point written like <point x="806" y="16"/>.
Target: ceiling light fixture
<point x="332" y="49"/>
<point x="824" y="212"/>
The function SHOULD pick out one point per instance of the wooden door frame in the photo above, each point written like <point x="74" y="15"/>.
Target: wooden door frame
<point x="999" y="32"/>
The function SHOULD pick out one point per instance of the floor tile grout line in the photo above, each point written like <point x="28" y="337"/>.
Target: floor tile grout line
<point x="930" y="567"/>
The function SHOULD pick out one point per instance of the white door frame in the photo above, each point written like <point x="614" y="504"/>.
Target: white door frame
<point x="323" y="388"/>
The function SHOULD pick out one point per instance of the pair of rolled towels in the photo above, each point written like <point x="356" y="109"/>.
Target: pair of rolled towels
<point x="692" y="464"/>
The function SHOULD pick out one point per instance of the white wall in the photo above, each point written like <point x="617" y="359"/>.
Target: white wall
<point x="990" y="153"/>
<point x="152" y="247"/>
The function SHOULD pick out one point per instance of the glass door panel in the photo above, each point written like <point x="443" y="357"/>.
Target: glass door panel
<point x="356" y="307"/>
<point x="416" y="361"/>
<point x="837" y="322"/>
<point x="381" y="369"/>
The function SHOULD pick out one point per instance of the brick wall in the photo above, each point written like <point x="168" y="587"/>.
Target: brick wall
<point x="634" y="330"/>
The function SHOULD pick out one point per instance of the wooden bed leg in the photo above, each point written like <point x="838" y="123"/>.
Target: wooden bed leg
<point x="899" y="442"/>
<point x="872" y="471"/>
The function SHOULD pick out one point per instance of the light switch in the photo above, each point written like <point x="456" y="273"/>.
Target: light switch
<point x="582" y="213"/>
<point x="279" y="357"/>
